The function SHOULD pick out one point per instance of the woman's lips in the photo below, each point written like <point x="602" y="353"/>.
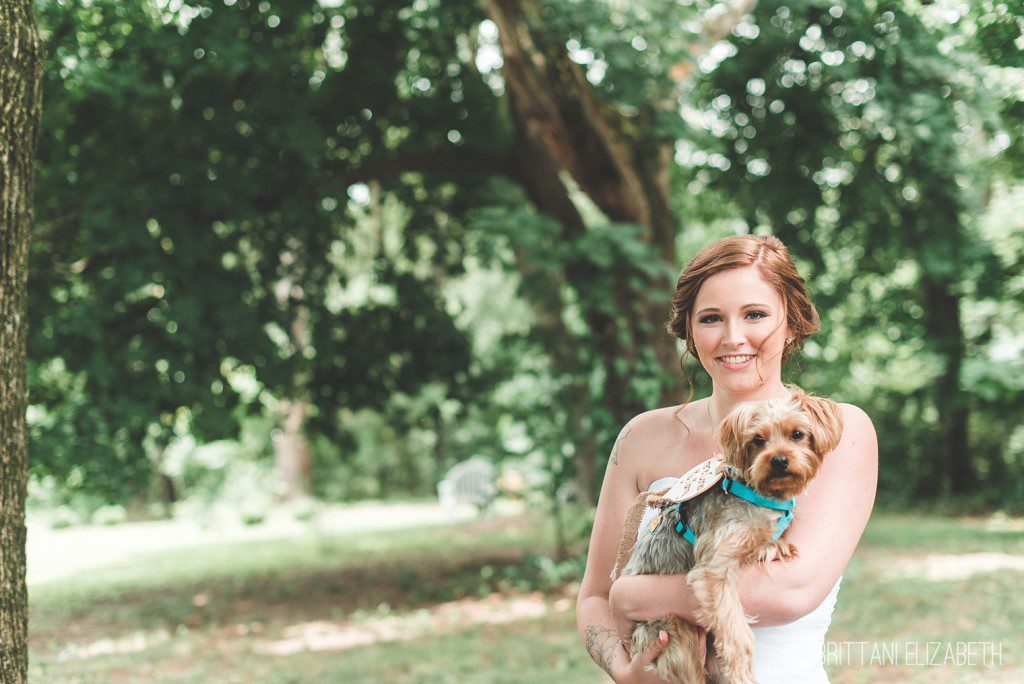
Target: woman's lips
<point x="735" y="361"/>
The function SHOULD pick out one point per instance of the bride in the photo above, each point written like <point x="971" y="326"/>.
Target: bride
<point x="741" y="309"/>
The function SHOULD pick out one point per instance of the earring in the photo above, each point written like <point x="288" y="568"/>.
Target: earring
<point x="789" y="341"/>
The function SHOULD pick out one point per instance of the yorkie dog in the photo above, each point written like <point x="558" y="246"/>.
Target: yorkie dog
<point x="770" y="451"/>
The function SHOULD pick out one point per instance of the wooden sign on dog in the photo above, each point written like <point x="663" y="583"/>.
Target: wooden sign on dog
<point x="696" y="480"/>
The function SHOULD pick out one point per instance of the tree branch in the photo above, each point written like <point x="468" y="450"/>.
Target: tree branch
<point x="557" y="105"/>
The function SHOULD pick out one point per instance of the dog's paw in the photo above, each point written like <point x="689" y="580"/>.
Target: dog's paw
<point x="777" y="549"/>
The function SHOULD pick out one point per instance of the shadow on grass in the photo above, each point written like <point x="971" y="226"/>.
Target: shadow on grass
<point x="276" y="583"/>
<point x="208" y="614"/>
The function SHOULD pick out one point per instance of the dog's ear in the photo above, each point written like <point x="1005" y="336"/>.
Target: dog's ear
<point x="827" y="419"/>
<point x="729" y="433"/>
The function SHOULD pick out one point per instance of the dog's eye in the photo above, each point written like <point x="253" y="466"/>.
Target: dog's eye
<point x="797" y="434"/>
<point x="759" y="440"/>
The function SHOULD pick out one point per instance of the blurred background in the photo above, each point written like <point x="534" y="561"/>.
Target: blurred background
<point x="337" y="306"/>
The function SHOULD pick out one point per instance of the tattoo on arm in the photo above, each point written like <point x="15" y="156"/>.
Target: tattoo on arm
<point x="601" y="644"/>
<point x="614" y="460"/>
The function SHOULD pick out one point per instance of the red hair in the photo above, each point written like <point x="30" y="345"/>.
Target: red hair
<point x="770" y="257"/>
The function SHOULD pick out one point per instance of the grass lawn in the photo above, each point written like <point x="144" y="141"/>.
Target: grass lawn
<point x="460" y="603"/>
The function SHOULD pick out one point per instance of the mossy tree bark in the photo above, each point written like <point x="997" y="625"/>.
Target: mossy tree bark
<point x="20" y="108"/>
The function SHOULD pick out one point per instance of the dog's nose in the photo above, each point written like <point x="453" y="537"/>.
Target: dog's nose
<point x="780" y="462"/>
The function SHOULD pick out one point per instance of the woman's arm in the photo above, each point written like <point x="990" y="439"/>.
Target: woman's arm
<point x="764" y="595"/>
<point x="593" y="617"/>
<point x="831" y="515"/>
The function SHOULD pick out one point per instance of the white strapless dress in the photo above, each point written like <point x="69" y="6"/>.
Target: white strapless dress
<point x="784" y="654"/>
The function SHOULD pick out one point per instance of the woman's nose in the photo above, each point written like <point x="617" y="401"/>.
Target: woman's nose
<point x="733" y="335"/>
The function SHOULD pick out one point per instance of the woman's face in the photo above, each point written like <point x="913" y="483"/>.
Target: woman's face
<point x="739" y="330"/>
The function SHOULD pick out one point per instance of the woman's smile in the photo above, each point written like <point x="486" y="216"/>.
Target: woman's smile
<point x="735" y="361"/>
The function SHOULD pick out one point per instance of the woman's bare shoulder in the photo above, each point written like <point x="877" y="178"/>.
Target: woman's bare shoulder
<point x="652" y="444"/>
<point x="856" y="420"/>
<point x="858" y="446"/>
<point x="660" y="423"/>
<point x="853" y="409"/>
<point x="664" y="418"/>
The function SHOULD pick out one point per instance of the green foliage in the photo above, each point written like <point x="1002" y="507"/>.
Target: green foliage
<point x="863" y="136"/>
<point x="196" y="157"/>
<point x="64" y="516"/>
<point x="184" y="153"/>
<point x="227" y="480"/>
<point x="138" y="287"/>
<point x="109" y="515"/>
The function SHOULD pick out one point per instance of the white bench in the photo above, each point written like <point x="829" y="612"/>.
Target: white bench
<point x="471" y="482"/>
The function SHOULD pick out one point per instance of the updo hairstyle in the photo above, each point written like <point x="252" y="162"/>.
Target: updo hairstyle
<point x="773" y="262"/>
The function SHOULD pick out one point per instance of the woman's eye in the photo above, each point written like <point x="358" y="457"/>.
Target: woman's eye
<point x="759" y="440"/>
<point x="714" y="317"/>
<point x="797" y="435"/>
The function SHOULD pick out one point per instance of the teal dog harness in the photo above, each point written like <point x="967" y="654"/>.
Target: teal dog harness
<point x="738" y="489"/>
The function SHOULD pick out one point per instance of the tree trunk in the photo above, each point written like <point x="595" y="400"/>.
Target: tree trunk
<point x="560" y="121"/>
<point x="440" y="441"/>
<point x="539" y="179"/>
<point x="166" y="492"/>
<point x="952" y="458"/>
<point x="293" y="459"/>
<point x="20" y="109"/>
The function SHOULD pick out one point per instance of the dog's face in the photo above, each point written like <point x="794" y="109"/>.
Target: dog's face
<point x="777" y="445"/>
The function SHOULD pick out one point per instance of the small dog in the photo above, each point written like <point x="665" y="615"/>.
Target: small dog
<point x="771" y="450"/>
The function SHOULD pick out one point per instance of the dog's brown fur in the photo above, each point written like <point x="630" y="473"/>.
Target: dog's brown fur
<point x="731" y="533"/>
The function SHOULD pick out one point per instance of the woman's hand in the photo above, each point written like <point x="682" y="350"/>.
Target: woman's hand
<point x="634" y="671"/>
<point x="626" y="600"/>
